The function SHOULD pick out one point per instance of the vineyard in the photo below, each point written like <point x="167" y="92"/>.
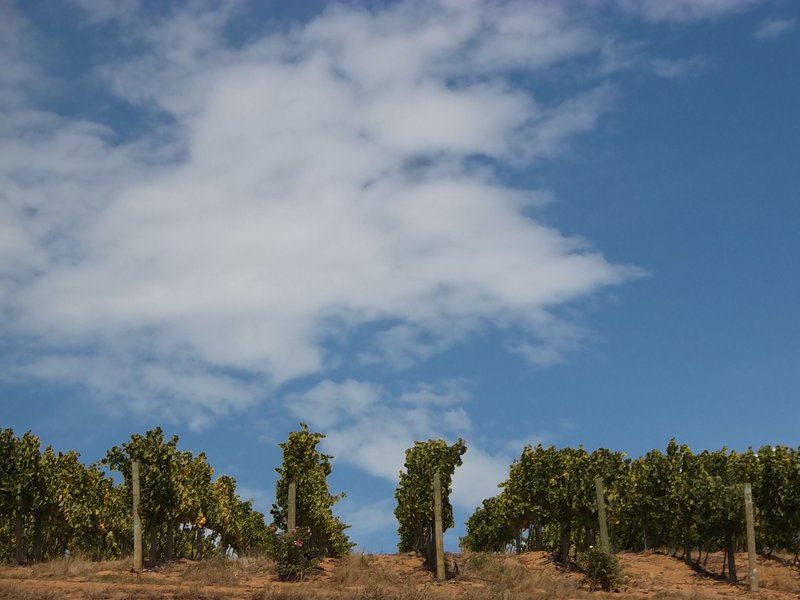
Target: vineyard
<point x="677" y="500"/>
<point x="52" y="504"/>
<point x="683" y="504"/>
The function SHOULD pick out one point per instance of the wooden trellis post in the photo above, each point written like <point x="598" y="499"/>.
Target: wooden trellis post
<point x="438" y="529"/>
<point x="291" y="517"/>
<point x="751" y="537"/>
<point x="601" y="514"/>
<point x="137" y="519"/>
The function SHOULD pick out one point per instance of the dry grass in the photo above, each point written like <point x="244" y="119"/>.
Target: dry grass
<point x="215" y="571"/>
<point x="405" y="592"/>
<point x="284" y="593"/>
<point x="482" y="576"/>
<point x="145" y="595"/>
<point x="104" y="594"/>
<point x="76" y="566"/>
<point x="492" y="567"/>
<point x="785" y="579"/>
<point x="10" y="592"/>
<point x="255" y="566"/>
<point x="663" y="595"/>
<point x="188" y="594"/>
<point x="505" y="577"/>
<point x="196" y="594"/>
<point x="224" y="572"/>
<point x="362" y="570"/>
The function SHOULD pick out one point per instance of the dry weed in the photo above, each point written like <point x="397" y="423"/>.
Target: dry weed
<point x="145" y="595"/>
<point x="75" y="566"/>
<point x="286" y="593"/>
<point x="504" y="577"/>
<point x="216" y="571"/>
<point x="665" y="595"/>
<point x="103" y="594"/>
<point x="784" y="579"/>
<point x="249" y="566"/>
<point x="359" y="569"/>
<point x="195" y="593"/>
<point x="226" y="572"/>
<point x="10" y="592"/>
<point x="405" y="591"/>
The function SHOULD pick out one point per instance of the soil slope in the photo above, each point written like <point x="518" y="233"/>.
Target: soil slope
<point x="397" y="576"/>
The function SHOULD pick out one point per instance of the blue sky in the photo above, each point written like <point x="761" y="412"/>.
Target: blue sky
<point x="573" y="223"/>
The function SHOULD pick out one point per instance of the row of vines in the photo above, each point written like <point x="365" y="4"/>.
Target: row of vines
<point x="414" y="494"/>
<point x="675" y="500"/>
<point x="51" y="504"/>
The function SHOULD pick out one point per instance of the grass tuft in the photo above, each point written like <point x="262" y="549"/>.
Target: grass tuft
<point x="359" y="569"/>
<point x="215" y="571"/>
<point x="75" y="566"/>
<point x="504" y="576"/>
<point x="222" y="571"/>
<point x="10" y="592"/>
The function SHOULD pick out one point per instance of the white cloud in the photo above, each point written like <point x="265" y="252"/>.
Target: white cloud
<point x="771" y="29"/>
<point x="620" y="56"/>
<point x="124" y="378"/>
<point x="100" y="11"/>
<point x="328" y="402"/>
<point x="478" y="478"/>
<point x="366" y="519"/>
<point x="676" y="69"/>
<point x="304" y="185"/>
<point x="445" y="393"/>
<point x="262" y="499"/>
<point x="685" y="10"/>
<point x="17" y="53"/>
<point x="370" y="428"/>
<point x="515" y="446"/>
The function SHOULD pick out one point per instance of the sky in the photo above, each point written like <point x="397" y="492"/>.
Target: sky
<point x="512" y="222"/>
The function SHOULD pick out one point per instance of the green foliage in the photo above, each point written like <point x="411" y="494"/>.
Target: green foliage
<point x="180" y="504"/>
<point x="309" y="469"/>
<point x="674" y="500"/>
<point x="51" y="503"/>
<point x="601" y="570"/>
<point x="777" y="495"/>
<point x="414" y="492"/>
<point x="240" y="528"/>
<point x="293" y="554"/>
<point x="159" y="462"/>
<point x="553" y="490"/>
<point x="56" y="504"/>
<point x="489" y="529"/>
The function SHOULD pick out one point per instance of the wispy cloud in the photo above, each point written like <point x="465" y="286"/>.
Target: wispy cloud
<point x="685" y="11"/>
<point x="262" y="499"/>
<point x="773" y="28"/>
<point x="367" y="519"/>
<point x="299" y="187"/>
<point x="677" y="69"/>
<point x="619" y="57"/>
<point x="370" y="427"/>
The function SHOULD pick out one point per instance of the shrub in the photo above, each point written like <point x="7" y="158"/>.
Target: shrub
<point x="414" y="493"/>
<point x="601" y="569"/>
<point x="309" y="469"/>
<point x="293" y="554"/>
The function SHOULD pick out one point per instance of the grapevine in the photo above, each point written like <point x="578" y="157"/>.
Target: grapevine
<point x="414" y="493"/>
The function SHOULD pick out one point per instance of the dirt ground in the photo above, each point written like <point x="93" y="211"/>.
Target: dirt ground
<point x="397" y="577"/>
